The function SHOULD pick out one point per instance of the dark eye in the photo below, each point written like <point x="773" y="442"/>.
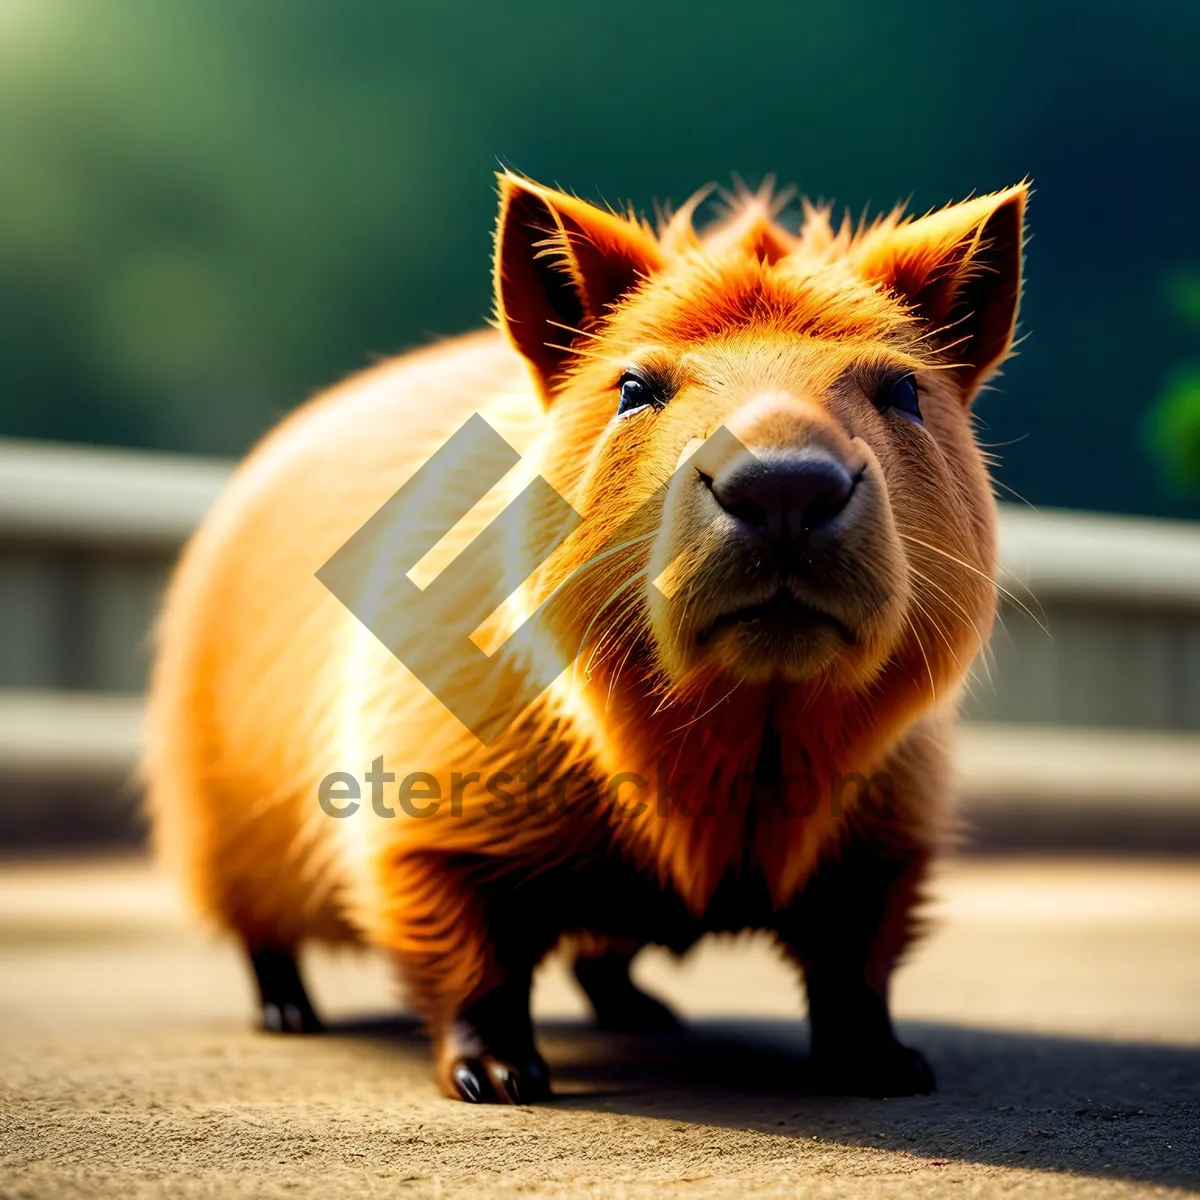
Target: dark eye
<point x="901" y="397"/>
<point x="636" y="393"/>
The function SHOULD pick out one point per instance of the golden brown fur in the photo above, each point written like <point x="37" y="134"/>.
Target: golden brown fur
<point x="264" y="684"/>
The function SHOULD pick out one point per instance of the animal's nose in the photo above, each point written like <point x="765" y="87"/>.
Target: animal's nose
<point x="785" y="493"/>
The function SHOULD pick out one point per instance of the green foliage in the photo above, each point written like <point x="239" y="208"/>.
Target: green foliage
<point x="1172" y="432"/>
<point x="193" y="237"/>
<point x="211" y="208"/>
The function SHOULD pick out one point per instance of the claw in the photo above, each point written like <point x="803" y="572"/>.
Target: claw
<point x="490" y="1080"/>
<point x="505" y="1082"/>
<point x="467" y="1084"/>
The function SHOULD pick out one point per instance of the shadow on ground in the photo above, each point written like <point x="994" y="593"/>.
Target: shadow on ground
<point x="1113" y="1109"/>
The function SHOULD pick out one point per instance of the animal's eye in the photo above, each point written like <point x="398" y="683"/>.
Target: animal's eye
<point x="636" y="393"/>
<point x="901" y="397"/>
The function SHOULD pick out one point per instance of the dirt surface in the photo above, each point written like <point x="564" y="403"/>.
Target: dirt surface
<point x="1059" y="1003"/>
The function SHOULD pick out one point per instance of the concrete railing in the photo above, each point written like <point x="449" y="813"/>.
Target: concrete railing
<point x="94" y="496"/>
<point x="1103" y="710"/>
<point x="56" y="494"/>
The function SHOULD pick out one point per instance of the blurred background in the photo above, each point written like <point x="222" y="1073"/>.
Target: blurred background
<point x="210" y="209"/>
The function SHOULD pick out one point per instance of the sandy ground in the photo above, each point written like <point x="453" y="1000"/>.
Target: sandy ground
<point x="1059" y="1003"/>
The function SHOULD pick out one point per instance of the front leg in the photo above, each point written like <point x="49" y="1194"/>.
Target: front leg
<point x="484" y="1048"/>
<point x="855" y="917"/>
<point x="468" y="954"/>
<point x="847" y="931"/>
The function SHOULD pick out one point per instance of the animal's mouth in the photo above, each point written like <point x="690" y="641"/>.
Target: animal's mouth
<point x="780" y="616"/>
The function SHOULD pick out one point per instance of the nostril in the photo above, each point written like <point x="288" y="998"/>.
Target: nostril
<point x="829" y="497"/>
<point x="745" y="509"/>
<point x="788" y="493"/>
<point x="731" y="493"/>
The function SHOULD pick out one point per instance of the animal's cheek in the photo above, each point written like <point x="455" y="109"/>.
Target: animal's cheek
<point x="872" y="522"/>
<point x="687" y="559"/>
<point x="688" y="533"/>
<point x="870" y="540"/>
<point x="887" y="479"/>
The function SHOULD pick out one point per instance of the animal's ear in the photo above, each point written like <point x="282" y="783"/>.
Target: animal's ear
<point x="561" y="263"/>
<point x="959" y="270"/>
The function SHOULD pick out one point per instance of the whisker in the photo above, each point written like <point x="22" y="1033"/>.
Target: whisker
<point x="1015" y="494"/>
<point x="611" y="637"/>
<point x="700" y="716"/>
<point x="983" y="646"/>
<point x="924" y="611"/>
<point x="597" y="558"/>
<point x="613" y="595"/>
<point x="612" y="683"/>
<point x="1001" y="445"/>
<point x="982" y="575"/>
<point x="917" y="638"/>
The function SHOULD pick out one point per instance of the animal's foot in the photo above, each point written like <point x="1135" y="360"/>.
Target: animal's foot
<point x="501" y="1066"/>
<point x="285" y="1006"/>
<point x="619" y="1004"/>
<point x="887" y="1069"/>
<point x="290" y="1017"/>
<point x="489" y="1079"/>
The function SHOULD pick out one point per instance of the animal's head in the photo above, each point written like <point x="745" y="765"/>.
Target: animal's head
<point x="808" y="395"/>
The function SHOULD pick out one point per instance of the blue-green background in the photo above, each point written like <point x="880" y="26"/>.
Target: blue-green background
<point x="210" y="208"/>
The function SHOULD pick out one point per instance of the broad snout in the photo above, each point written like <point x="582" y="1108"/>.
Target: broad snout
<point x="783" y="545"/>
<point x="789" y="496"/>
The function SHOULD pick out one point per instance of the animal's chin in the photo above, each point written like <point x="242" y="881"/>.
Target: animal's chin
<point x="782" y="617"/>
<point x="779" y="636"/>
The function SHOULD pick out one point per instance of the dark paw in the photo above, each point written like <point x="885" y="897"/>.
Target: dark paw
<point x="284" y="1004"/>
<point x="889" y="1070"/>
<point x="290" y="1017"/>
<point x="635" y="1011"/>
<point x="491" y="1080"/>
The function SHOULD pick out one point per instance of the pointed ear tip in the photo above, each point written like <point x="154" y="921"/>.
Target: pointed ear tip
<point x="1014" y="201"/>
<point x="981" y="210"/>
<point x="509" y="183"/>
<point x="1017" y="195"/>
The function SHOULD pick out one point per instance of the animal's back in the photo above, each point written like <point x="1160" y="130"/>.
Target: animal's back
<point x="248" y="685"/>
